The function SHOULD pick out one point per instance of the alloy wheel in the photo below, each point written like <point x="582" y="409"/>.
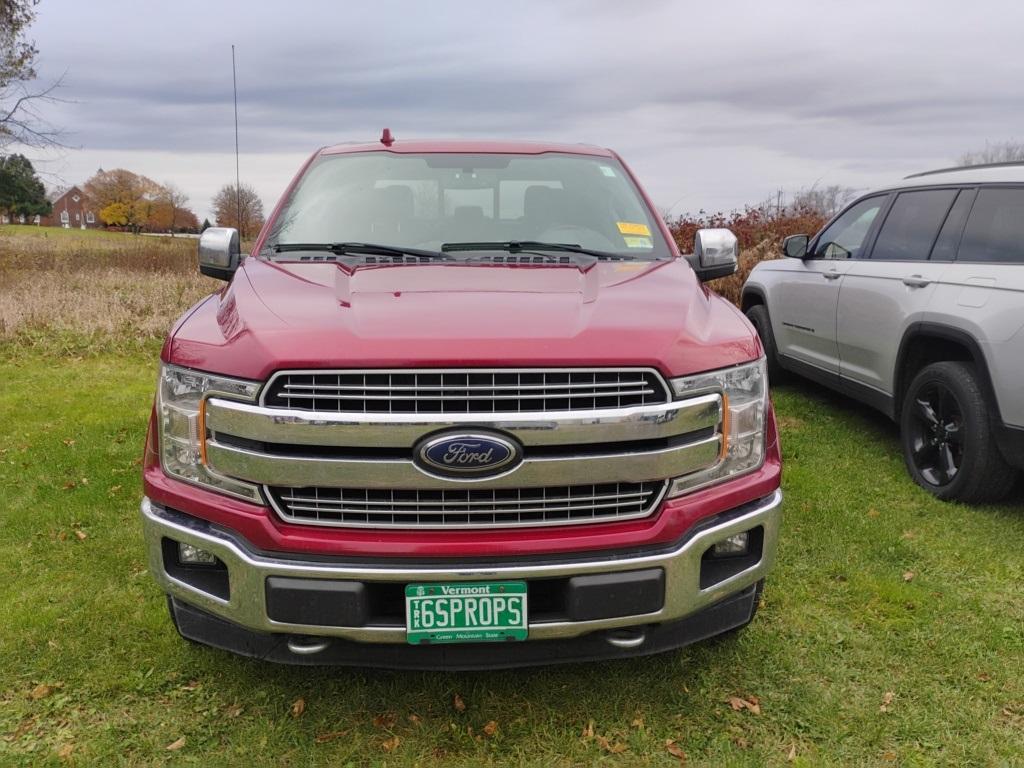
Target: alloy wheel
<point x="937" y="434"/>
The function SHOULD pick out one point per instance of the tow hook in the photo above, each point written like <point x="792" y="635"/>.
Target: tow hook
<point x="307" y="646"/>
<point x="626" y="638"/>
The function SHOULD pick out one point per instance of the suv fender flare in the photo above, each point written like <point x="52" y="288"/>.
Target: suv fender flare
<point x="752" y="290"/>
<point x="923" y="329"/>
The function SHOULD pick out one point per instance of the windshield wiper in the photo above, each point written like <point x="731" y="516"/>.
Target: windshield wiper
<point x="519" y="246"/>
<point x="361" y="249"/>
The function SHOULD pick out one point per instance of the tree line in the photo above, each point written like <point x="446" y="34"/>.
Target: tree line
<point x="122" y="199"/>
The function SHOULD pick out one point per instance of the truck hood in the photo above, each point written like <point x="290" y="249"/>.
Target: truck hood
<point x="321" y="315"/>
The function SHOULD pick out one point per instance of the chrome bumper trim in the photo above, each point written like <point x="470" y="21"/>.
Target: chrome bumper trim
<point x="248" y="573"/>
<point x="306" y="471"/>
<point x="401" y="430"/>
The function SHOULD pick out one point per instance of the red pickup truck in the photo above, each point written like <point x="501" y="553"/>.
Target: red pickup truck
<point x="464" y="405"/>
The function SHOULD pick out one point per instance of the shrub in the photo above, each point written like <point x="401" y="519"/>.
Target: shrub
<point x="760" y="233"/>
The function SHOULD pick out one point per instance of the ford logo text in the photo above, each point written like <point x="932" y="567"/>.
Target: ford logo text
<point x="469" y="456"/>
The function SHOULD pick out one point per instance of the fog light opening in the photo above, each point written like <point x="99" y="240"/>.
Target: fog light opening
<point x="189" y="554"/>
<point x="736" y="545"/>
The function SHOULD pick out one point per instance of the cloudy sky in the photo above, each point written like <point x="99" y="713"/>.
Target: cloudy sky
<point x="714" y="104"/>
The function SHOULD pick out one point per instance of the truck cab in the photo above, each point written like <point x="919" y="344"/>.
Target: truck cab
<point x="463" y="404"/>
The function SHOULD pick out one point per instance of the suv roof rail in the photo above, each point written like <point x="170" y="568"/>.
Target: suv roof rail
<point x="955" y="168"/>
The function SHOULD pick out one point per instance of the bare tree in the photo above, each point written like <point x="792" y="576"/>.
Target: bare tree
<point x="21" y="121"/>
<point x="822" y="200"/>
<point x="242" y="210"/>
<point x="176" y="201"/>
<point x="998" y="152"/>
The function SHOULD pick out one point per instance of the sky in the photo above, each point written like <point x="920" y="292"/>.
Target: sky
<point x="715" y="105"/>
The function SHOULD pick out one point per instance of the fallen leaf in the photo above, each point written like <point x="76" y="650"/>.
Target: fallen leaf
<point x="887" y="701"/>
<point x="458" y="703"/>
<point x="385" y="720"/>
<point x="64" y="753"/>
<point x="24" y="727"/>
<point x="174" y="746"/>
<point x="82" y="535"/>
<point x="68" y="442"/>
<point x="791" y="755"/>
<point x="638" y="722"/>
<point x="491" y="728"/>
<point x="69" y="485"/>
<point x="588" y="730"/>
<point x="415" y="719"/>
<point x="752" y="704"/>
<point x="615" y="748"/>
<point x="191" y="685"/>
<point x="115" y="488"/>
<point x="298" y="707"/>
<point x="673" y="748"/>
<point x="233" y="711"/>
<point x="984" y="677"/>
<point x="390" y="745"/>
<point x="330" y="736"/>
<point x="43" y="690"/>
<point x="908" y="576"/>
<point x="889" y="756"/>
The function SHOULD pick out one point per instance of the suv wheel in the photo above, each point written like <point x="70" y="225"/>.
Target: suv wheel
<point x="948" y="441"/>
<point x="758" y="317"/>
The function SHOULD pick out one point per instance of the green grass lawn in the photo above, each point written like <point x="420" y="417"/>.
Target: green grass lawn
<point x="31" y="230"/>
<point x="892" y="631"/>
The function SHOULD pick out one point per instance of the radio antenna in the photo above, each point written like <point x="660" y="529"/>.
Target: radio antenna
<point x="238" y="183"/>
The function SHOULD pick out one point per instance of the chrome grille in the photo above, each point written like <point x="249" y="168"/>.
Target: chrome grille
<point x="464" y="391"/>
<point x="470" y="508"/>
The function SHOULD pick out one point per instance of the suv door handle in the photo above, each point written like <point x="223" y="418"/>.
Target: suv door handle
<point x="831" y="275"/>
<point x="916" y="281"/>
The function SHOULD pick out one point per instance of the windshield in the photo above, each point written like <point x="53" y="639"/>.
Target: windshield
<point x="432" y="200"/>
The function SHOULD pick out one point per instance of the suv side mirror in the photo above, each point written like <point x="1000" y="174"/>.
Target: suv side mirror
<point x="795" y="246"/>
<point x="715" y="254"/>
<point x="219" y="252"/>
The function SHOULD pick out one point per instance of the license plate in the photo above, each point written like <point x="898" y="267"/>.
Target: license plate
<point x="459" y="612"/>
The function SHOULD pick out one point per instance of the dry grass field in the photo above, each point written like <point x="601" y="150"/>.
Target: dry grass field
<point x="77" y="291"/>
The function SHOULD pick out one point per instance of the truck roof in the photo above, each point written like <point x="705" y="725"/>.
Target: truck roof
<point x="467" y="146"/>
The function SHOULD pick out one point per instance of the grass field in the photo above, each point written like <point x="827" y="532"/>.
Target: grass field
<point x="892" y="631"/>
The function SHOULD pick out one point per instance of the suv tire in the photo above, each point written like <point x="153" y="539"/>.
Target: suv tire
<point x="948" y="442"/>
<point x="758" y="317"/>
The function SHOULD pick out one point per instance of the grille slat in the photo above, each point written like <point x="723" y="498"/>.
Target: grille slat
<point x="475" y="508"/>
<point x="489" y="388"/>
<point x="464" y="391"/>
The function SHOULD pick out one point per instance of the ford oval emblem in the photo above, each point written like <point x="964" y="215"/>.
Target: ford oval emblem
<point x="468" y="455"/>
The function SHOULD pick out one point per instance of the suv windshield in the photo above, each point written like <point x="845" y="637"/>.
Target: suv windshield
<point x="431" y="200"/>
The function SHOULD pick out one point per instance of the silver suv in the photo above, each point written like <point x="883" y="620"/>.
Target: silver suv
<point x="912" y="300"/>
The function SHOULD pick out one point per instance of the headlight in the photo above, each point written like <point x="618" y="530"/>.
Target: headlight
<point x="181" y="408"/>
<point x="744" y="391"/>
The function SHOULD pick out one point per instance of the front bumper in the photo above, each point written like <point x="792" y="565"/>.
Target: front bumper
<point x="689" y="588"/>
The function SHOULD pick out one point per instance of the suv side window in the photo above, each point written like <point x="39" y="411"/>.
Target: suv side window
<point x="912" y="225"/>
<point x="949" y="236"/>
<point x="995" y="228"/>
<point x="845" y="237"/>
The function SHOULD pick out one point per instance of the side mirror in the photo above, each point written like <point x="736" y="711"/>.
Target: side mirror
<point x="715" y="254"/>
<point x="795" y="246"/>
<point x="219" y="252"/>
